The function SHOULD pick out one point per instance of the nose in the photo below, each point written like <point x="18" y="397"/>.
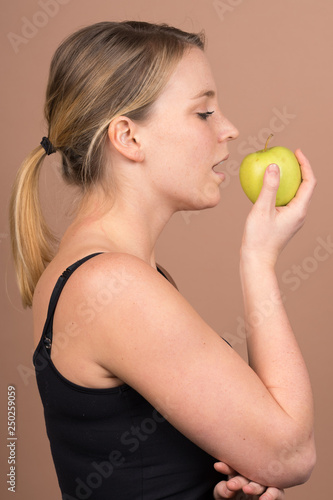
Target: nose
<point x="227" y="131"/>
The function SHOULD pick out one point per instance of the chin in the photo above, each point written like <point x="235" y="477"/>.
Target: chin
<point x="201" y="199"/>
<point x="210" y="197"/>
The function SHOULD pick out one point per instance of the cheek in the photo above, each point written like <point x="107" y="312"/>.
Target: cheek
<point x="174" y="147"/>
<point x="169" y="148"/>
<point x="164" y="141"/>
<point x="193" y="144"/>
<point x="201" y="151"/>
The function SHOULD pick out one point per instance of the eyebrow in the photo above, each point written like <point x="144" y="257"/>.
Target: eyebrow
<point x="204" y="93"/>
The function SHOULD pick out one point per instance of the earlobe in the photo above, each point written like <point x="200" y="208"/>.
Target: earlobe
<point x="123" y="136"/>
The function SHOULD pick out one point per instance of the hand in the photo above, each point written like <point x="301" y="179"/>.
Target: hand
<point x="236" y="483"/>
<point x="268" y="228"/>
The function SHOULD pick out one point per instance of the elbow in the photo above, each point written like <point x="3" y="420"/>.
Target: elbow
<point x="306" y="464"/>
<point x="296" y="465"/>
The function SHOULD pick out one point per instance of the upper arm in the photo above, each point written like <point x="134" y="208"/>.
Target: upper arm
<point x="150" y="337"/>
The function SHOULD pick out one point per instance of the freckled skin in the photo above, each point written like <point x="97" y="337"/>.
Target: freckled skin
<point x="252" y="169"/>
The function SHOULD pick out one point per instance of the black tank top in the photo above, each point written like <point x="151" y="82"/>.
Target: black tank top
<point x="111" y="444"/>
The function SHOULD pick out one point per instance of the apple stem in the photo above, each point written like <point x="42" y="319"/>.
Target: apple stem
<point x="268" y="139"/>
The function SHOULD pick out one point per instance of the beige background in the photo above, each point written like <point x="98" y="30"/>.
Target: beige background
<point x="270" y="58"/>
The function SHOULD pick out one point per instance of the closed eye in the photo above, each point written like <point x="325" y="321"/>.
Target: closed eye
<point x="204" y="116"/>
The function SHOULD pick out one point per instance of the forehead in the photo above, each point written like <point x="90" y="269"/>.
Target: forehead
<point x="192" y="77"/>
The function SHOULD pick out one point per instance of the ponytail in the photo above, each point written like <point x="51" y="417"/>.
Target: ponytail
<point x="31" y="239"/>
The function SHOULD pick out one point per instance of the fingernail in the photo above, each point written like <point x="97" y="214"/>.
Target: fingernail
<point x="273" y="168"/>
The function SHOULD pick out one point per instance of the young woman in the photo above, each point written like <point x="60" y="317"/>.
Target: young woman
<point x="141" y="397"/>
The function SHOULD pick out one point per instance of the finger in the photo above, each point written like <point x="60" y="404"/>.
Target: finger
<point x="307" y="172"/>
<point x="221" y="490"/>
<point x="273" y="494"/>
<point x="253" y="488"/>
<point x="305" y="191"/>
<point x="237" y="483"/>
<point x="267" y="197"/>
<point x="224" y="468"/>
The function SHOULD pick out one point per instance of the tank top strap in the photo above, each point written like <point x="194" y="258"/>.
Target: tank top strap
<point x="46" y="337"/>
<point x="61" y="282"/>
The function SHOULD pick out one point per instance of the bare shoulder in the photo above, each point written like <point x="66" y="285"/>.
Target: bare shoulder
<point x="109" y="287"/>
<point x="116" y="273"/>
<point x="96" y="280"/>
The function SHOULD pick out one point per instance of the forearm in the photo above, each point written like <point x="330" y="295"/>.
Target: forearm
<point x="273" y="351"/>
<point x="272" y="348"/>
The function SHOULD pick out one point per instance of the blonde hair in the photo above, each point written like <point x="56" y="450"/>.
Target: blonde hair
<point x="102" y="71"/>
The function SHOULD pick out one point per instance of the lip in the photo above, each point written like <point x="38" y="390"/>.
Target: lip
<point x="220" y="175"/>
<point x="221" y="161"/>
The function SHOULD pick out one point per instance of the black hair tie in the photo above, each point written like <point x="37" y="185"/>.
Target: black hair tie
<point x="48" y="146"/>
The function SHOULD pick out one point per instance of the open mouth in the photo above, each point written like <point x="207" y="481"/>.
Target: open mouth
<point x="221" y="161"/>
<point x="221" y="175"/>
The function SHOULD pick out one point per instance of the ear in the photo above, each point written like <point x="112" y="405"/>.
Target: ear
<point x="123" y="135"/>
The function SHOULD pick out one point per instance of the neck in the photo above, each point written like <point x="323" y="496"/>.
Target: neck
<point x="128" y="225"/>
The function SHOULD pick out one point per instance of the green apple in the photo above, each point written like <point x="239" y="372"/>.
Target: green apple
<point x="252" y="169"/>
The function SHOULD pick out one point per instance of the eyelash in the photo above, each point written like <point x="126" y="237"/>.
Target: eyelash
<point x="204" y="116"/>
